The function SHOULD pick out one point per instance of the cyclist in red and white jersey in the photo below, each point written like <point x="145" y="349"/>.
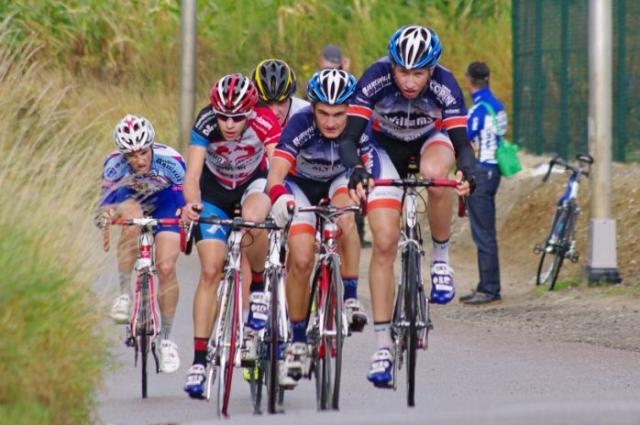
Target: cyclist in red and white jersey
<point x="143" y="177"/>
<point x="226" y="166"/>
<point x="276" y="83"/>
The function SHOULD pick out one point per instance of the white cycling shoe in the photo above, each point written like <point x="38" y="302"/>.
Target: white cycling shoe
<point x="120" y="311"/>
<point x="168" y="357"/>
<point x="356" y="314"/>
<point x="296" y="360"/>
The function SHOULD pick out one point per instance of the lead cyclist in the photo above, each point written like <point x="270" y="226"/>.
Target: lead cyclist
<point x="144" y="177"/>
<point x="409" y="105"/>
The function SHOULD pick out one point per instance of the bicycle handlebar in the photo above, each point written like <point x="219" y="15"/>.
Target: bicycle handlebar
<point x="239" y="222"/>
<point x="329" y="211"/>
<point x="142" y="222"/>
<point x="418" y="182"/>
<point x="557" y="160"/>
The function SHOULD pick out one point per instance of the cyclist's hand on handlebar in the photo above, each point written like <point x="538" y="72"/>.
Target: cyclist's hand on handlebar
<point x="466" y="185"/>
<point x="360" y="182"/>
<point x="191" y="212"/>
<point x="102" y="218"/>
<point x="282" y="208"/>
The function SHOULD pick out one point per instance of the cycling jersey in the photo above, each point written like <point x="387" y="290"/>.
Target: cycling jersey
<point x="482" y="126"/>
<point x="440" y="106"/>
<point x="234" y="162"/>
<point x="120" y="182"/>
<point x="297" y="104"/>
<point x="311" y="155"/>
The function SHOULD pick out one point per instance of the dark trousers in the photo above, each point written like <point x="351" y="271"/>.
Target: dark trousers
<point x="482" y="215"/>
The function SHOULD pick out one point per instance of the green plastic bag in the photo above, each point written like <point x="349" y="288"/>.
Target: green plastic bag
<point x="507" y="157"/>
<point x="507" y="152"/>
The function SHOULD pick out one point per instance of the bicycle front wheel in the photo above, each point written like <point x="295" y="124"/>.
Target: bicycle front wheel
<point x="554" y="250"/>
<point x="273" y="390"/>
<point x="412" y="259"/>
<point x="143" y="324"/>
<point x="228" y="341"/>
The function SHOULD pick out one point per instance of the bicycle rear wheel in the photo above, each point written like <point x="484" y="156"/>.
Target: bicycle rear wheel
<point x="411" y="313"/>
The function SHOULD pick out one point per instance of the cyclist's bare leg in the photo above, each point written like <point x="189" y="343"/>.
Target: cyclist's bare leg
<point x="255" y="208"/>
<point x="385" y="228"/>
<point x="436" y="162"/>
<point x="167" y="250"/>
<point x="300" y="264"/>
<point x="349" y="242"/>
<point x="128" y="243"/>
<point x="212" y="253"/>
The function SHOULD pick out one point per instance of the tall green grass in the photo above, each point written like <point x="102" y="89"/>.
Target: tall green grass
<point x="137" y="42"/>
<point x="52" y="348"/>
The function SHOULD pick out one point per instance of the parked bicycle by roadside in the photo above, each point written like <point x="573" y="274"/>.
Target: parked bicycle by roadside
<point x="561" y="242"/>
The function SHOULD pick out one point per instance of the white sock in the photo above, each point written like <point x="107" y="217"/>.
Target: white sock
<point x="383" y="334"/>
<point x="125" y="283"/>
<point x="440" y="251"/>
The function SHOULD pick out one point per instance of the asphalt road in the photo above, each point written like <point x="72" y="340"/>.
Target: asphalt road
<point x="469" y="375"/>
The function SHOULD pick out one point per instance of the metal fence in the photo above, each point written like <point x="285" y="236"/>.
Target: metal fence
<point x="551" y="76"/>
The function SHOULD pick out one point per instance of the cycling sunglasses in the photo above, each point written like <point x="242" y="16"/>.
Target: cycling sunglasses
<point x="234" y="118"/>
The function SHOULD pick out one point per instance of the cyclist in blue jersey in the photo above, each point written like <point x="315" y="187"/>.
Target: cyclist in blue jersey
<point x="145" y="178"/>
<point x="276" y="83"/>
<point x="306" y="168"/>
<point x="410" y="106"/>
<point x="226" y="167"/>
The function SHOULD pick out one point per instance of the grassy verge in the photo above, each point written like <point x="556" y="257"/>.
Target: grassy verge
<point x="137" y="43"/>
<point x="52" y="349"/>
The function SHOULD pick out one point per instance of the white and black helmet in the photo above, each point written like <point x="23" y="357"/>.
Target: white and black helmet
<point x="414" y="47"/>
<point x="331" y="86"/>
<point x="133" y="133"/>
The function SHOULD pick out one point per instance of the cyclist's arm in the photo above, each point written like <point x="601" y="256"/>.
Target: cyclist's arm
<point x="195" y="162"/>
<point x="348" y="143"/>
<point x="277" y="172"/>
<point x="465" y="156"/>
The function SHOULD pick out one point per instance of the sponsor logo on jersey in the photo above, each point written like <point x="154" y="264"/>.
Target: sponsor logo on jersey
<point x="376" y="85"/>
<point x="442" y="92"/>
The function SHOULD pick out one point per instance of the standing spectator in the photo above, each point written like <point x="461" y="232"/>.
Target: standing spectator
<point x="487" y="123"/>
<point x="331" y="57"/>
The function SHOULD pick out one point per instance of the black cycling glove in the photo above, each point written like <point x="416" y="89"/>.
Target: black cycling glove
<point x="359" y="174"/>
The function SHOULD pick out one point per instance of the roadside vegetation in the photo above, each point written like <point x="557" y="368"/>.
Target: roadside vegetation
<point x="68" y="71"/>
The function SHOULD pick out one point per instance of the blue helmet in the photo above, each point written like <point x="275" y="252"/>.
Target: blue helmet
<point x="414" y="46"/>
<point x="331" y="86"/>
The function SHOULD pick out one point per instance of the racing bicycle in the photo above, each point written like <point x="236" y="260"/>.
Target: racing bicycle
<point x="411" y="321"/>
<point x="144" y="325"/>
<point x="561" y="241"/>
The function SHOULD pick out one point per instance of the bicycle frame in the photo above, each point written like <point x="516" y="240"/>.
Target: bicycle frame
<point x="411" y="320"/>
<point x="139" y="332"/>
<point x="326" y="319"/>
<point x="220" y="351"/>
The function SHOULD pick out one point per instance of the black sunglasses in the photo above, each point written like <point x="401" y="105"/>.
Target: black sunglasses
<point x="234" y="118"/>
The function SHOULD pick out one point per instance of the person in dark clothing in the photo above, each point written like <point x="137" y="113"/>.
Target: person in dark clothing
<point x="487" y="123"/>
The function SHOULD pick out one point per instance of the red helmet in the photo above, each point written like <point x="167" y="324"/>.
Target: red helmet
<point x="233" y="94"/>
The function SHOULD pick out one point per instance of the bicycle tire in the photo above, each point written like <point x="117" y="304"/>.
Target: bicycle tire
<point x="274" y="343"/>
<point x="226" y="349"/>
<point x="324" y="348"/>
<point x="411" y="312"/>
<point x="232" y="343"/>
<point x="557" y="253"/>
<point x="142" y="333"/>
<point x="339" y="338"/>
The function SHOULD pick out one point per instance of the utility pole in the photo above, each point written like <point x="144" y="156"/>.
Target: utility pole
<point x="602" y="266"/>
<point x="187" y="70"/>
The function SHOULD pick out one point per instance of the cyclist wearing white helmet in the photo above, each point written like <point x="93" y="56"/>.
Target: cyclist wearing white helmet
<point x="227" y="167"/>
<point x="145" y="178"/>
<point x="276" y="83"/>
<point x="411" y="107"/>
<point x="306" y="168"/>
